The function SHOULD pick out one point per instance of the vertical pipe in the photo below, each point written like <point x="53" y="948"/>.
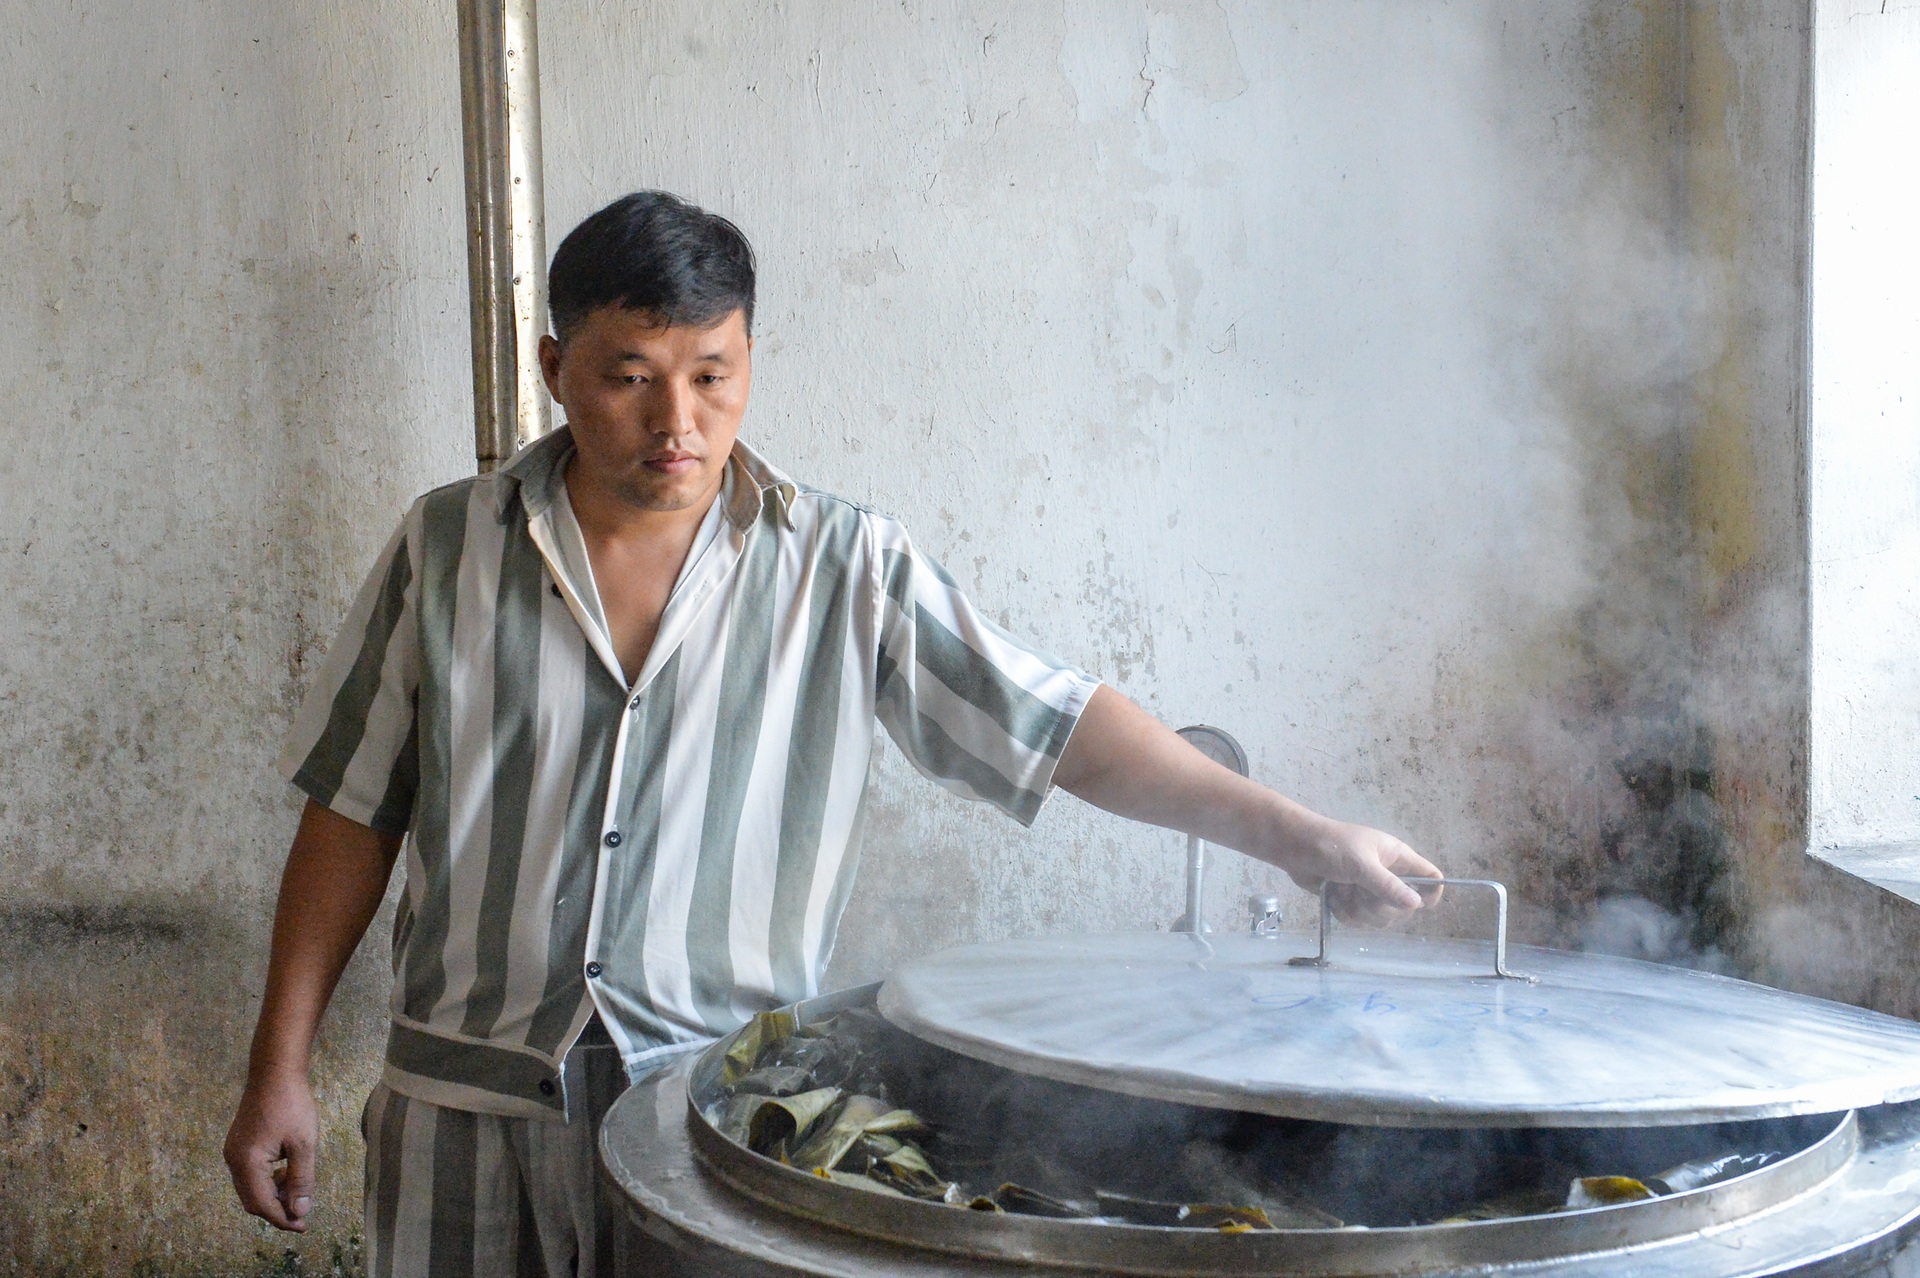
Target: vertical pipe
<point x="506" y="223"/>
<point x="1226" y="752"/>
<point x="1193" y="920"/>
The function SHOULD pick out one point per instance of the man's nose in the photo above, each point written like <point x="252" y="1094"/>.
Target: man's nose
<point x="673" y="406"/>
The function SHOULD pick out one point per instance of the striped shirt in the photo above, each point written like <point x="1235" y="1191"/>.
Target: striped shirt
<point x="674" y="852"/>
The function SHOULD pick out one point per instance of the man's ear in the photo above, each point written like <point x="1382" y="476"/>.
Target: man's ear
<point x="550" y="364"/>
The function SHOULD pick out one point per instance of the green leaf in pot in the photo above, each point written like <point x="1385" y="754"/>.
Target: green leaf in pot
<point x="840" y="1131"/>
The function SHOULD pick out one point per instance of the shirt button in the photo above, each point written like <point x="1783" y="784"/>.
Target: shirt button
<point x="634" y="704"/>
<point x="546" y="1087"/>
<point x="594" y="969"/>
<point x="613" y="838"/>
<point x="555" y="588"/>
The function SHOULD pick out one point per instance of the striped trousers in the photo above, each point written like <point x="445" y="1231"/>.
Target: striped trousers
<point x="454" y="1194"/>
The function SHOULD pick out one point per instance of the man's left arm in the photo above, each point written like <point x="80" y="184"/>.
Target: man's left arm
<point x="1122" y="759"/>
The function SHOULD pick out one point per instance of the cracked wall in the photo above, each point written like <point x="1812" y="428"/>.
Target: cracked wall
<point x="1404" y="388"/>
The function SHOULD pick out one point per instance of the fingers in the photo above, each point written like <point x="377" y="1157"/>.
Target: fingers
<point x="1385" y="885"/>
<point x="1404" y="861"/>
<point x="1359" y="871"/>
<point x="296" y="1184"/>
<point x="269" y="1152"/>
<point x="259" y="1182"/>
<point x="1357" y="907"/>
<point x="1370" y="891"/>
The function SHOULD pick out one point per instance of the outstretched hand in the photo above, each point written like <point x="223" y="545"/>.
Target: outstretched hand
<point x="1124" y="760"/>
<point x="1359" y="870"/>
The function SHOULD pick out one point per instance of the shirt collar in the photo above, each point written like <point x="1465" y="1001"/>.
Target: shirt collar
<point x="764" y="482"/>
<point x="538" y="471"/>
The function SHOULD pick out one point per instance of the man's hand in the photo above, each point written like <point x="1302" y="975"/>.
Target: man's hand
<point x="336" y="874"/>
<point x="1359" y="869"/>
<point x="270" y="1148"/>
<point x="1124" y="760"/>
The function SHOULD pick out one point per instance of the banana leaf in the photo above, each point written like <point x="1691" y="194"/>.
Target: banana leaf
<point x="860" y="1027"/>
<point x="809" y="1051"/>
<point x="843" y="1051"/>
<point x="1227" y="1216"/>
<point x="1211" y="1175"/>
<point x="1605" y="1191"/>
<point x="1299" y="1216"/>
<point x="765" y="1030"/>
<point x="905" y="1167"/>
<point x="771" y="1125"/>
<point x="1149" y="1211"/>
<point x="1021" y="1201"/>
<point x="775" y="1080"/>
<point x="837" y="1133"/>
<point x="857" y="1181"/>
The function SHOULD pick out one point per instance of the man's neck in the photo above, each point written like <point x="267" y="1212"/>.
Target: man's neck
<point x="605" y="518"/>
<point x="636" y="556"/>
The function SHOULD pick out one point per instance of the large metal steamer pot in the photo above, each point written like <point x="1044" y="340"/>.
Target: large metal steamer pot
<point x="1396" y="1046"/>
<point x="1396" y="1033"/>
<point x="1844" y="1205"/>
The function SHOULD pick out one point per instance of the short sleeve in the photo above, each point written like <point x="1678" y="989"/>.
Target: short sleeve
<point x="975" y="709"/>
<point x="353" y="746"/>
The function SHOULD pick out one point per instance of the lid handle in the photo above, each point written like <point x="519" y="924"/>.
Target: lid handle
<point x="1499" y="891"/>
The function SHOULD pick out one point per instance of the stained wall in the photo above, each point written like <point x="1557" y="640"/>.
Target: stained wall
<point x="1409" y="389"/>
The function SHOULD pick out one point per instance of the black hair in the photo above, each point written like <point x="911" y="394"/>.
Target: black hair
<point x="652" y="252"/>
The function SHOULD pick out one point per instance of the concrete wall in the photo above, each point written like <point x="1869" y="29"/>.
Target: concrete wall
<point x="1408" y="388"/>
<point x="234" y="345"/>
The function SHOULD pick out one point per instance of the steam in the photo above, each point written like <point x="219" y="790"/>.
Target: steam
<point x="1634" y="927"/>
<point x="1645" y="659"/>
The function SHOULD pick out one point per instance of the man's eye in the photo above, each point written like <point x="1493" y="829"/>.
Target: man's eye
<point x="709" y="379"/>
<point x="632" y="379"/>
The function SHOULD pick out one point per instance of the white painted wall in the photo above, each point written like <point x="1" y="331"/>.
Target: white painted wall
<point x="1209" y="344"/>
<point x="233" y="349"/>
<point x="1205" y="343"/>
<point x="1320" y="369"/>
<point x="1866" y="423"/>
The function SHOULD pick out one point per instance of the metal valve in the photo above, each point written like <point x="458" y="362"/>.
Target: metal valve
<point x="1266" y="916"/>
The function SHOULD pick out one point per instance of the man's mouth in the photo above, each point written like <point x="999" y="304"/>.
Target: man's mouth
<point x="673" y="463"/>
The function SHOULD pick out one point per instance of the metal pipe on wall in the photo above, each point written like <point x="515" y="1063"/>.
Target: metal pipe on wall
<point x="506" y="224"/>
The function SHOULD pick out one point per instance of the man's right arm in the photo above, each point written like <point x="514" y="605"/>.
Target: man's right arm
<point x="335" y="879"/>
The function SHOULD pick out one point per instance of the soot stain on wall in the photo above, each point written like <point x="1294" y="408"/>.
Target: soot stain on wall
<point x="123" y="1034"/>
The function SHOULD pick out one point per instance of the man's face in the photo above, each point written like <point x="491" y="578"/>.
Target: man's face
<point x="654" y="409"/>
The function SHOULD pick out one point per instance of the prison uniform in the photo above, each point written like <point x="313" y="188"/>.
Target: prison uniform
<point x="452" y="1194"/>
<point x="672" y="852"/>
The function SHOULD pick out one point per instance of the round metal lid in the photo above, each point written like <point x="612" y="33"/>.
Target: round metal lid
<point x="1403" y="1031"/>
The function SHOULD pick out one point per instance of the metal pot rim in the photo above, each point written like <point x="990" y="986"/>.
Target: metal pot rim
<point x="1147" y="1249"/>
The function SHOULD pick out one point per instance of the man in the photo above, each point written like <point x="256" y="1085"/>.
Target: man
<point x="620" y="698"/>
